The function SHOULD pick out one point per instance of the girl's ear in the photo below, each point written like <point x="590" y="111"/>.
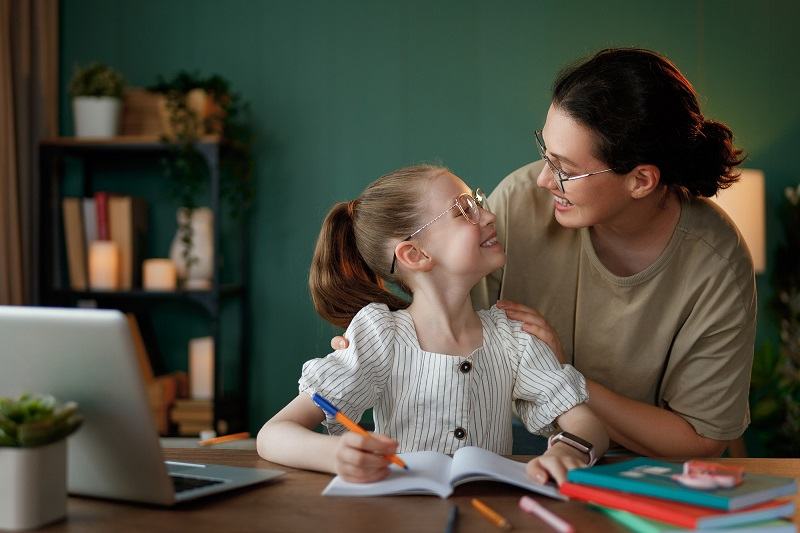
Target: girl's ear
<point x="412" y="257"/>
<point x="644" y="180"/>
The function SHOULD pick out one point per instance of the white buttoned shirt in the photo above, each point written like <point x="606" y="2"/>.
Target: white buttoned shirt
<point x="440" y="402"/>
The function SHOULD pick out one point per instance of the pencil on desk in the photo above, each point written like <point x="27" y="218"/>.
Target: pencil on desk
<point x="491" y="515"/>
<point x="529" y="505"/>
<point x="224" y="438"/>
<point x="343" y="419"/>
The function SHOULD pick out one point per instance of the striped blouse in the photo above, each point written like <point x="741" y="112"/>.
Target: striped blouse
<point x="433" y="401"/>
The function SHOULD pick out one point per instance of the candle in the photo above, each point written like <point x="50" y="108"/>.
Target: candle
<point x="201" y="368"/>
<point x="103" y="265"/>
<point x="158" y="275"/>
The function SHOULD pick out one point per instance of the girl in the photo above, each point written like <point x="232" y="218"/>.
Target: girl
<point x="438" y="374"/>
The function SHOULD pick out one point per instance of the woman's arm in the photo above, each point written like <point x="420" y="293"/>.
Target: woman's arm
<point x="556" y="461"/>
<point x="287" y="438"/>
<point x="640" y="427"/>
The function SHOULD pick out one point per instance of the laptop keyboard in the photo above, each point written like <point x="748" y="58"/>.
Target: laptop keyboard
<point x="182" y="483"/>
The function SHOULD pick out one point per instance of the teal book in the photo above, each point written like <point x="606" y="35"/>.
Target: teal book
<point x="639" y="524"/>
<point x="652" y="477"/>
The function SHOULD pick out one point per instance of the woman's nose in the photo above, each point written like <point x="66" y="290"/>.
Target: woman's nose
<point x="546" y="179"/>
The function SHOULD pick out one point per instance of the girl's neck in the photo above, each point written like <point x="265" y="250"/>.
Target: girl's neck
<point x="445" y="322"/>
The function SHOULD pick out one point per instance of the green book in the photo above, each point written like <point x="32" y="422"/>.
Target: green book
<point x="643" y="525"/>
<point x="651" y="477"/>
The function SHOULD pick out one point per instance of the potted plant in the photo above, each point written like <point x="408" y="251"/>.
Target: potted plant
<point x="96" y="92"/>
<point x="33" y="459"/>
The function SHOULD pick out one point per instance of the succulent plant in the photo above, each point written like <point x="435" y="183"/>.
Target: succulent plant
<point x="36" y="420"/>
<point x="96" y="79"/>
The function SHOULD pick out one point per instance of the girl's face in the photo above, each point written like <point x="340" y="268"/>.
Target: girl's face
<point x="456" y="245"/>
<point x="596" y="199"/>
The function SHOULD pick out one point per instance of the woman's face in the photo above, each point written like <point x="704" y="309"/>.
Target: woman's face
<point x="596" y="199"/>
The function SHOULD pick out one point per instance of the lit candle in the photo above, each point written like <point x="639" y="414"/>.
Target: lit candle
<point x="103" y="266"/>
<point x="201" y="368"/>
<point x="158" y="275"/>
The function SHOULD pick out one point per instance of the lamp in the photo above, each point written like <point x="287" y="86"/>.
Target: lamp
<point x="744" y="203"/>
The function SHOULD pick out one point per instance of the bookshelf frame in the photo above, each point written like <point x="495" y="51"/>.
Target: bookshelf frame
<point x="230" y="408"/>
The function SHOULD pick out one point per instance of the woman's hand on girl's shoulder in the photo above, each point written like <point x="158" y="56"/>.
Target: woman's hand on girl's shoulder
<point x="534" y="323"/>
<point x="555" y="463"/>
<point x="361" y="459"/>
<point x="339" y="342"/>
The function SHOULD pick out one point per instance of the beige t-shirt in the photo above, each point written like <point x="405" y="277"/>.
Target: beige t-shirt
<point x="679" y="334"/>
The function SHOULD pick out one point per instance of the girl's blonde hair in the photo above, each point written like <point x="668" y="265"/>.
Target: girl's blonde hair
<point x="354" y="250"/>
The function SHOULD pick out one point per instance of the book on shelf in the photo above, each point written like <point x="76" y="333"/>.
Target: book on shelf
<point x="74" y="240"/>
<point x="436" y="473"/>
<point x="652" y="477"/>
<point x="640" y="524"/>
<point x="101" y="209"/>
<point x="89" y="220"/>
<point x="676" y="513"/>
<point x="127" y="226"/>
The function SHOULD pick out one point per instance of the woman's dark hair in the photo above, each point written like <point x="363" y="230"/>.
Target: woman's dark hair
<point x="643" y="110"/>
<point x="355" y="247"/>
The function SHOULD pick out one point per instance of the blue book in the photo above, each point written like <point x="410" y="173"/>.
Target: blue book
<point x="651" y="477"/>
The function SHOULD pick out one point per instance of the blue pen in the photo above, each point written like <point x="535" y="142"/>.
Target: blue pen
<point x="333" y="411"/>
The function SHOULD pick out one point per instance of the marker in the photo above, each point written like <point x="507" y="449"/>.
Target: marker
<point x="334" y="411"/>
<point x="529" y="505"/>
<point x="452" y="520"/>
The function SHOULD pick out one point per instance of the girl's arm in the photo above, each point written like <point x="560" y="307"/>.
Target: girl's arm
<point x="581" y="421"/>
<point x="288" y="438"/>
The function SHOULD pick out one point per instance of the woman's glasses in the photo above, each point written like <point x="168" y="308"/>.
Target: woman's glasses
<point x="559" y="175"/>
<point x="470" y="205"/>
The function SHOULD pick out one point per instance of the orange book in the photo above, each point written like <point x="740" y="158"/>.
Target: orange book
<point x="127" y="225"/>
<point x="75" y="245"/>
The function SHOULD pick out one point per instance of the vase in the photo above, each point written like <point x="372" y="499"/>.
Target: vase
<point x="194" y="261"/>
<point x="34" y="487"/>
<point x="96" y="116"/>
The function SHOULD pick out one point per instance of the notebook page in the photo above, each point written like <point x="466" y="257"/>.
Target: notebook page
<point x="472" y="464"/>
<point x="427" y="474"/>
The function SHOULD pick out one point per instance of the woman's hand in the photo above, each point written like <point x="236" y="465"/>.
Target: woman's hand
<point x="534" y="323"/>
<point x="555" y="463"/>
<point x="339" y="343"/>
<point x="361" y="459"/>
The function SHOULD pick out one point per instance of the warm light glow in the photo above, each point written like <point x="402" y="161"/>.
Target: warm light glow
<point x="159" y="275"/>
<point x="103" y="266"/>
<point x="744" y="203"/>
<point x="201" y="368"/>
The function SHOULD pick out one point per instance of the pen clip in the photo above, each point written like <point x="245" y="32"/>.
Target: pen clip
<point x="324" y="404"/>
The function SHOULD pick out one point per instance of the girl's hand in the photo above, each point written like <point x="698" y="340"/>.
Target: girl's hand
<point x="534" y="323"/>
<point x="360" y="459"/>
<point x="555" y="463"/>
<point x="339" y="343"/>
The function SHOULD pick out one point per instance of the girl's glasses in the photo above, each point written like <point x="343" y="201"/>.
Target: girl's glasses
<point x="559" y="175"/>
<point x="470" y="205"/>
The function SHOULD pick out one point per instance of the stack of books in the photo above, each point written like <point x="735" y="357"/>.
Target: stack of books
<point x="642" y="494"/>
<point x="193" y="416"/>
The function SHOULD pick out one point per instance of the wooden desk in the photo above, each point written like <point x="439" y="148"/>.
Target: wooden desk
<point x="293" y="503"/>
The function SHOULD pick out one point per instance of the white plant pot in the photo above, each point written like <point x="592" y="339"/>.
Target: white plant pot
<point x="96" y="116"/>
<point x="198" y="276"/>
<point x="33" y="491"/>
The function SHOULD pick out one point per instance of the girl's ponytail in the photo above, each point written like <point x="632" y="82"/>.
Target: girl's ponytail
<point x="340" y="281"/>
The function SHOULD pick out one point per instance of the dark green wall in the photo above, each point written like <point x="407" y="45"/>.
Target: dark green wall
<point x="343" y="91"/>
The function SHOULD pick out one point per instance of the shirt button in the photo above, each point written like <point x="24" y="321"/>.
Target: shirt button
<point x="465" y="367"/>
<point x="460" y="433"/>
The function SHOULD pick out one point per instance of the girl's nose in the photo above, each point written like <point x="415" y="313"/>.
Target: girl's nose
<point x="487" y="217"/>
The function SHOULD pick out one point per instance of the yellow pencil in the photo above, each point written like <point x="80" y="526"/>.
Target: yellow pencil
<point x="491" y="515"/>
<point x="224" y="438"/>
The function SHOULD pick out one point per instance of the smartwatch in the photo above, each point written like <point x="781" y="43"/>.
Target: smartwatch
<point x="576" y="442"/>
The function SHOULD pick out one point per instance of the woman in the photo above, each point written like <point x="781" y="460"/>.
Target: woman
<point x="617" y="260"/>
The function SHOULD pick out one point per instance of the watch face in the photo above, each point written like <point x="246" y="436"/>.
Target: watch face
<point x="577" y="440"/>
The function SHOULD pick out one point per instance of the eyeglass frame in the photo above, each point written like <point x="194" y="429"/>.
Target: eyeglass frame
<point x="480" y="200"/>
<point x="559" y="175"/>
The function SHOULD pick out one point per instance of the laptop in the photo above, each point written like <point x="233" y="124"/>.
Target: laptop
<point x="87" y="356"/>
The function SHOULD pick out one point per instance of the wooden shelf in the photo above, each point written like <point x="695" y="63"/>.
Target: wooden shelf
<point x="122" y="140"/>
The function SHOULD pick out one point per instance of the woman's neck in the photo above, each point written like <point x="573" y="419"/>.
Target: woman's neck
<point x="445" y="321"/>
<point x="627" y="246"/>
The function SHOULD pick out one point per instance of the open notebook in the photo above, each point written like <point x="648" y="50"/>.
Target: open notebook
<point x="437" y="473"/>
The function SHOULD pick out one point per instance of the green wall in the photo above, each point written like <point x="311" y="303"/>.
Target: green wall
<point x="343" y="91"/>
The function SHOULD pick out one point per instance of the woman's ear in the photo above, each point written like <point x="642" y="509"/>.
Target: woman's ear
<point x="644" y="180"/>
<point x="412" y="257"/>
